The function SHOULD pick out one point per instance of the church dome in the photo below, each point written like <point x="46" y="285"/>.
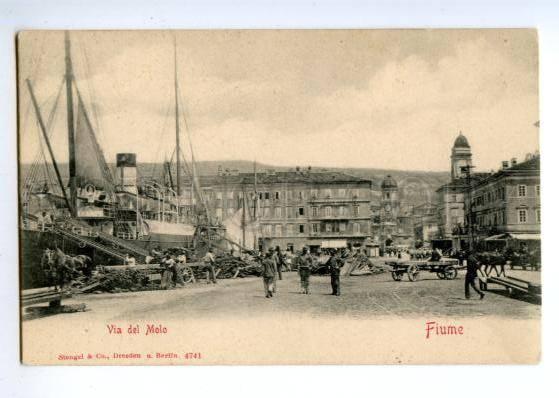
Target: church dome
<point x="388" y="183"/>
<point x="461" y="142"/>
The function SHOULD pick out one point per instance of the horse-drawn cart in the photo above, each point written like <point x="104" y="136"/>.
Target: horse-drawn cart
<point x="445" y="269"/>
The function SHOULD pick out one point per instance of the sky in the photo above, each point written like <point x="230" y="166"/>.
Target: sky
<point x="393" y="99"/>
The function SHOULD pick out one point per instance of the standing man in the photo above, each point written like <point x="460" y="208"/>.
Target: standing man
<point x="275" y="259"/>
<point x="269" y="274"/>
<point x="280" y="261"/>
<point x="304" y="263"/>
<point x="168" y="265"/>
<point x="334" y="264"/>
<point x="471" y="275"/>
<point x="209" y="261"/>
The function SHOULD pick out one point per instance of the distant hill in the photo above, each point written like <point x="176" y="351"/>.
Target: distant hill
<point x="416" y="187"/>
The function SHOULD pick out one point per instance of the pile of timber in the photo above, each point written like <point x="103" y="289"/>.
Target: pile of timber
<point x="359" y="264"/>
<point x="235" y="267"/>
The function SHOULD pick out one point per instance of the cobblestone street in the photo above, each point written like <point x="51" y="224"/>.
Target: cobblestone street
<point x="362" y="297"/>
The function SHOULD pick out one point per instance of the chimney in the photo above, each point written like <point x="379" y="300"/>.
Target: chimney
<point x="513" y="162"/>
<point x="505" y="164"/>
<point x="127" y="171"/>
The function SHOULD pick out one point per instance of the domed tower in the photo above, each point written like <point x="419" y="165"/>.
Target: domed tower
<point x="390" y="202"/>
<point x="461" y="157"/>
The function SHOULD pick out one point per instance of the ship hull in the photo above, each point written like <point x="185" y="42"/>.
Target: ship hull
<point x="33" y="243"/>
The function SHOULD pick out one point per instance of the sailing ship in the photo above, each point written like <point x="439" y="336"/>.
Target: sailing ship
<point x="103" y="213"/>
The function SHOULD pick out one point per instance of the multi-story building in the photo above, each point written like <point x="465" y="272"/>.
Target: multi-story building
<point x="395" y="225"/>
<point x="294" y="208"/>
<point x="425" y="223"/>
<point x="475" y="206"/>
<point x="506" y="204"/>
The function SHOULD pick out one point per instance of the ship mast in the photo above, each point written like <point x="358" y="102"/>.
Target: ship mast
<point x="177" y="128"/>
<point x="69" y="75"/>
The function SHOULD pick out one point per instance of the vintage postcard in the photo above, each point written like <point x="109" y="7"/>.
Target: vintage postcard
<point x="280" y="197"/>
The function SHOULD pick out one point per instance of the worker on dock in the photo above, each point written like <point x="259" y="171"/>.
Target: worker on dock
<point x="275" y="259"/>
<point x="269" y="274"/>
<point x="129" y="260"/>
<point x="167" y="276"/>
<point x="304" y="265"/>
<point x="334" y="264"/>
<point x="280" y="261"/>
<point x="209" y="265"/>
<point x="473" y="266"/>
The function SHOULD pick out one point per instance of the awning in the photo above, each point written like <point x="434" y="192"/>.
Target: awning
<point x="334" y="244"/>
<point x="515" y="236"/>
<point x="526" y="236"/>
<point x="498" y="237"/>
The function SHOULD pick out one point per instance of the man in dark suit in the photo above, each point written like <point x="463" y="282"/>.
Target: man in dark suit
<point x="473" y="265"/>
<point x="334" y="264"/>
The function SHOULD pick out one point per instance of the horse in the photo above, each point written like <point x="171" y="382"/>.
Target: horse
<point x="61" y="268"/>
<point x="493" y="261"/>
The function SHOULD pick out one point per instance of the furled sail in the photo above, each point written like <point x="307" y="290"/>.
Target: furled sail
<point x="91" y="167"/>
<point x="234" y="227"/>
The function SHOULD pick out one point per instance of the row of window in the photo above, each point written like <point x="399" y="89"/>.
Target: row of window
<point x="277" y="230"/>
<point x="291" y="194"/>
<point x="500" y="217"/>
<point x="494" y="218"/>
<point x="522" y="215"/>
<point x="521" y="191"/>
<point x="294" y="212"/>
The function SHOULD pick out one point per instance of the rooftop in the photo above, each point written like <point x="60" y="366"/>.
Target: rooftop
<point x="461" y="141"/>
<point x="279" y="177"/>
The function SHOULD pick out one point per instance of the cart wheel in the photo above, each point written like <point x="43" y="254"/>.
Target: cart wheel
<point x="413" y="273"/>
<point x="396" y="276"/>
<point x="441" y="275"/>
<point x="450" y="272"/>
<point x="187" y="274"/>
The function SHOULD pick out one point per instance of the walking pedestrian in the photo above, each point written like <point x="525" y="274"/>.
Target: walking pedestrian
<point x="280" y="262"/>
<point x="275" y="259"/>
<point x="268" y="274"/>
<point x="473" y="266"/>
<point x="209" y="261"/>
<point x="304" y="264"/>
<point x="334" y="264"/>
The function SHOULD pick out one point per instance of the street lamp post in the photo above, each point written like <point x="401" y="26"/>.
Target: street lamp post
<point x="467" y="170"/>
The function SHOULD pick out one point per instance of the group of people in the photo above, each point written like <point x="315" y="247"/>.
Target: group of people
<point x="172" y="270"/>
<point x="274" y="262"/>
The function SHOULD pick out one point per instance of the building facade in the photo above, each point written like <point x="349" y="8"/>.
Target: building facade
<point x="293" y="208"/>
<point x="474" y="207"/>
<point x="392" y="221"/>
<point x="425" y="223"/>
<point x="508" y="202"/>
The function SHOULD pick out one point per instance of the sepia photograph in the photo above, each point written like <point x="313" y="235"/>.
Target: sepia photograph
<point x="246" y="197"/>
